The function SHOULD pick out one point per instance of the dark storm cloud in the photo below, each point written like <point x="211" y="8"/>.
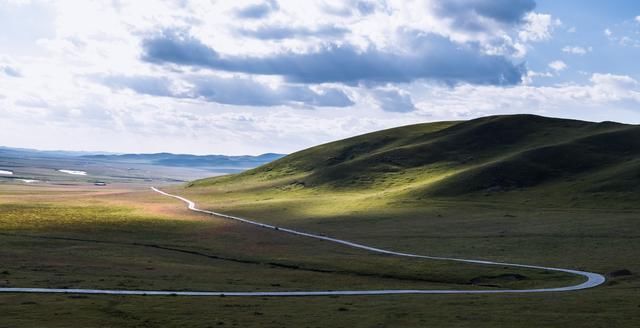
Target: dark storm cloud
<point x="433" y="57"/>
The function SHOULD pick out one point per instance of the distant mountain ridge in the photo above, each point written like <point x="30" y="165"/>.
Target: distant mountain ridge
<point x="224" y="162"/>
<point x="17" y="151"/>
<point x="187" y="160"/>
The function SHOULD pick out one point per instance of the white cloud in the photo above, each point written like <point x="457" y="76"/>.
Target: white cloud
<point x="617" y="82"/>
<point x="558" y="65"/>
<point x="576" y="50"/>
<point x="532" y="75"/>
<point x="169" y="124"/>
<point x="638" y="18"/>
<point x="624" y="37"/>
<point x="604" y="97"/>
<point x="393" y="100"/>
<point x="538" y="27"/>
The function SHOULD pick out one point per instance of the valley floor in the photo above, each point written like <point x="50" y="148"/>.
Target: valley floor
<point x="130" y="238"/>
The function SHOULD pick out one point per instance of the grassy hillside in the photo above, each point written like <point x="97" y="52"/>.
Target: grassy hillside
<point x="498" y="156"/>
<point x="523" y="189"/>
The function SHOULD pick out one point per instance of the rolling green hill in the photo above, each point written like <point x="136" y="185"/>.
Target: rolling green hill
<point x="513" y="157"/>
<point x="520" y="188"/>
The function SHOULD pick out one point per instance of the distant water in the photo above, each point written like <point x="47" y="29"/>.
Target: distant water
<point x="73" y="172"/>
<point x="28" y="180"/>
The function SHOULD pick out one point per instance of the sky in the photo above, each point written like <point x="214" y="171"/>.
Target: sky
<point x="255" y="76"/>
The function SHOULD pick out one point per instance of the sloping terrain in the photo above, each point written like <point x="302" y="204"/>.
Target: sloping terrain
<point x="498" y="155"/>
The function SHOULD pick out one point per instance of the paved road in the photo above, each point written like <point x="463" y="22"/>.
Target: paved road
<point x="592" y="279"/>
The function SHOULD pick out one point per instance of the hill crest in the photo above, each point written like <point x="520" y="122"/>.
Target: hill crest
<point x="495" y="154"/>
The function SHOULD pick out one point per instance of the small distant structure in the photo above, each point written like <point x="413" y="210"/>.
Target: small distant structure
<point x="100" y="183"/>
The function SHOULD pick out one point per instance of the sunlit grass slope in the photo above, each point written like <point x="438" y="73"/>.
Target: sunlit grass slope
<point x="513" y="157"/>
<point x="514" y="188"/>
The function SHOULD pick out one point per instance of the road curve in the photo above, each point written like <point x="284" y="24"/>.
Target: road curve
<point x="592" y="279"/>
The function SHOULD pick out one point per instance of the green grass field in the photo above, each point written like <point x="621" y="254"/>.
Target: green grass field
<point x="80" y="237"/>
<point x="81" y="240"/>
<point x="509" y="189"/>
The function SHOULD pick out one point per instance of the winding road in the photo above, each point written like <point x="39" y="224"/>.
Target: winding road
<point x="592" y="279"/>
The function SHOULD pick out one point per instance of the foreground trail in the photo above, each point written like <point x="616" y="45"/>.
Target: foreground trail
<point x="592" y="279"/>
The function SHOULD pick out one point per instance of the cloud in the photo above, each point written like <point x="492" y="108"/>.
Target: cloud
<point x="279" y="32"/>
<point x="148" y="85"/>
<point x="259" y="10"/>
<point x="637" y="18"/>
<point x="464" y="13"/>
<point x="351" y="7"/>
<point x="604" y="97"/>
<point x="538" y="27"/>
<point x="368" y="7"/>
<point x="432" y="57"/>
<point x="619" y="82"/>
<point x="10" y="71"/>
<point x="576" y="50"/>
<point x="558" y="65"/>
<point x="619" y="37"/>
<point x="179" y="48"/>
<point x="229" y="91"/>
<point x="531" y="75"/>
<point x="250" y="93"/>
<point x="32" y="101"/>
<point x="394" y="100"/>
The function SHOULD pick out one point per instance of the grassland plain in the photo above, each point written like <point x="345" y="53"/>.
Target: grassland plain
<point x="459" y="189"/>
<point x="45" y="261"/>
<point x="71" y="236"/>
<point x="600" y="240"/>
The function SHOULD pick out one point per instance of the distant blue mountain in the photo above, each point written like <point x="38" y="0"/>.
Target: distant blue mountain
<point x="234" y="163"/>
<point x="185" y="160"/>
<point x="47" y="153"/>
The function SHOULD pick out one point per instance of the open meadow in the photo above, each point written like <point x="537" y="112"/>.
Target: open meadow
<point x="126" y="237"/>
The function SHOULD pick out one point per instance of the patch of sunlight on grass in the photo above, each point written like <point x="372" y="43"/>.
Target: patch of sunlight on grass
<point x="37" y="216"/>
